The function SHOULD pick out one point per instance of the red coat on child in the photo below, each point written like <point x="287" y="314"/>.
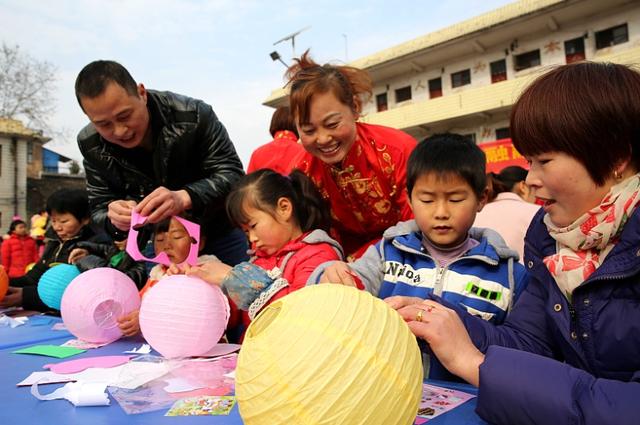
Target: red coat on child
<point x="17" y="253"/>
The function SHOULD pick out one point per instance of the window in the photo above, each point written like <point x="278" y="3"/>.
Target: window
<point x="471" y="137"/>
<point x="502" y="133"/>
<point x="403" y="94"/>
<point x="574" y="50"/>
<point x="381" y="102"/>
<point x="435" y="88"/>
<point x="461" y="78"/>
<point x="612" y="36"/>
<point x="498" y="71"/>
<point x="29" y="152"/>
<point x="527" y="60"/>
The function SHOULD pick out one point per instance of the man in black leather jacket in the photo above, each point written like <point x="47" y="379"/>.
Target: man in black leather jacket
<point x="159" y="153"/>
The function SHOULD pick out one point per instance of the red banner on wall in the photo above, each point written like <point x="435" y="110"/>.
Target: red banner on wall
<point x="501" y="154"/>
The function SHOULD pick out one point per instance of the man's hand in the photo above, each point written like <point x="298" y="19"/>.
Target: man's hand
<point x="13" y="298"/>
<point x="119" y="213"/>
<point x="163" y="203"/>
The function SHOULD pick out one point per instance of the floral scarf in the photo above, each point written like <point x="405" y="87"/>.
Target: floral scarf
<point x="583" y="245"/>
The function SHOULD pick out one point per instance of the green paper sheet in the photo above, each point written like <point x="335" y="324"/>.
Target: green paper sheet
<point x="50" y="351"/>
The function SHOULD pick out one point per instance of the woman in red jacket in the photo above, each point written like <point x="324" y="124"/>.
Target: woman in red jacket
<point x="360" y="169"/>
<point x="19" y="250"/>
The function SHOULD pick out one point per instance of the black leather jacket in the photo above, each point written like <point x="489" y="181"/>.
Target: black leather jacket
<point x="191" y="151"/>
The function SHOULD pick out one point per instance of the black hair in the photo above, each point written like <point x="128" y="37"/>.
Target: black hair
<point x="587" y="110"/>
<point x="72" y="201"/>
<point x="505" y="180"/>
<point x="262" y="189"/>
<point x="14" y="224"/>
<point x="448" y="153"/>
<point x="94" y="78"/>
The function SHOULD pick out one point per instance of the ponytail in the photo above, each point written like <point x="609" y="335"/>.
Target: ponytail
<point x="262" y="189"/>
<point x="309" y="208"/>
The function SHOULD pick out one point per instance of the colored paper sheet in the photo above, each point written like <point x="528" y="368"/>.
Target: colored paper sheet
<point x="202" y="406"/>
<point x="50" y="351"/>
<point x="438" y="400"/>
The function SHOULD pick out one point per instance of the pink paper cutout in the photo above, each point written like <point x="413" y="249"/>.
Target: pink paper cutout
<point x="132" y="242"/>
<point x="75" y="366"/>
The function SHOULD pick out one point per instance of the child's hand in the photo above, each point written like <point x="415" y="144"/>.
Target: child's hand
<point x="176" y="269"/>
<point x="76" y="254"/>
<point x="212" y="271"/>
<point x="130" y="323"/>
<point x="398" y="301"/>
<point x="340" y="273"/>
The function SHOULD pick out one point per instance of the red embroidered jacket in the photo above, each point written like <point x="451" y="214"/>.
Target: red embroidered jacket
<point x="367" y="193"/>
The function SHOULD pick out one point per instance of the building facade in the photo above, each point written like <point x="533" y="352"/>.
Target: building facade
<point x="19" y="151"/>
<point x="465" y="78"/>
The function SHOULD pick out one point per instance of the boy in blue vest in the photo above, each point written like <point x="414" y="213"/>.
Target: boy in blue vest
<point x="439" y="252"/>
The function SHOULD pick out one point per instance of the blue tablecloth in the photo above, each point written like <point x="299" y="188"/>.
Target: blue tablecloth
<point x="37" y="330"/>
<point x="18" y="406"/>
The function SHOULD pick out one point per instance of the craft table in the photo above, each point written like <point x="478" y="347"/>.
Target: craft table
<point x="37" y="330"/>
<point x="18" y="406"/>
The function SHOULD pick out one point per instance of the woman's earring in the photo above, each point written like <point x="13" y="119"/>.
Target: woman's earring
<point x="616" y="175"/>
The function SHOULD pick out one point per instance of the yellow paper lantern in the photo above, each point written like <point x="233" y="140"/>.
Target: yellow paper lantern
<point x="329" y="354"/>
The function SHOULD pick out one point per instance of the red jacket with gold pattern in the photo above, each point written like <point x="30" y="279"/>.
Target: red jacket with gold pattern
<point x="367" y="193"/>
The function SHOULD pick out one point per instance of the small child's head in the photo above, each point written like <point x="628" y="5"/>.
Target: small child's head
<point x="447" y="186"/>
<point x="18" y="227"/>
<point x="69" y="212"/>
<point x="274" y="209"/>
<point x="171" y="237"/>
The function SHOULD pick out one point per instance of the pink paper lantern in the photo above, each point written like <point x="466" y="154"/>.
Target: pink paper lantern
<point x="183" y="316"/>
<point x="94" y="301"/>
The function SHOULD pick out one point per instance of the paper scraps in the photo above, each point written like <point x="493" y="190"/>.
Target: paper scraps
<point x="11" y="322"/>
<point x="438" y="400"/>
<point x="59" y="327"/>
<point x="78" y="393"/>
<point x="179" y="385"/>
<point x="221" y="350"/>
<point x="75" y="366"/>
<point x="129" y="375"/>
<point x="143" y="349"/>
<point x="201" y="406"/>
<point x="83" y="345"/>
<point x="50" y="351"/>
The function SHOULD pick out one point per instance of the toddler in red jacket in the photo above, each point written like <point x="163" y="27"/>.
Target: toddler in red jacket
<point x="19" y="250"/>
<point x="286" y="221"/>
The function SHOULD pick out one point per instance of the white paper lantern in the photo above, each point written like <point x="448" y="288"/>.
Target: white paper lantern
<point x="183" y="316"/>
<point x="93" y="302"/>
<point x="329" y="354"/>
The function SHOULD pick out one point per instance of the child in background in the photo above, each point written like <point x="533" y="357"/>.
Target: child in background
<point x="19" y="250"/>
<point x="286" y="222"/>
<point x="170" y="237"/>
<point x="90" y="255"/>
<point x="69" y="212"/>
<point x="439" y="252"/>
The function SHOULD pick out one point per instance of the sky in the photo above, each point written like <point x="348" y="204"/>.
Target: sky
<point x="216" y="50"/>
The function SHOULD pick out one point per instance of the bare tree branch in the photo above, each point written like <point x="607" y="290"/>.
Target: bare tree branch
<point x="26" y="88"/>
